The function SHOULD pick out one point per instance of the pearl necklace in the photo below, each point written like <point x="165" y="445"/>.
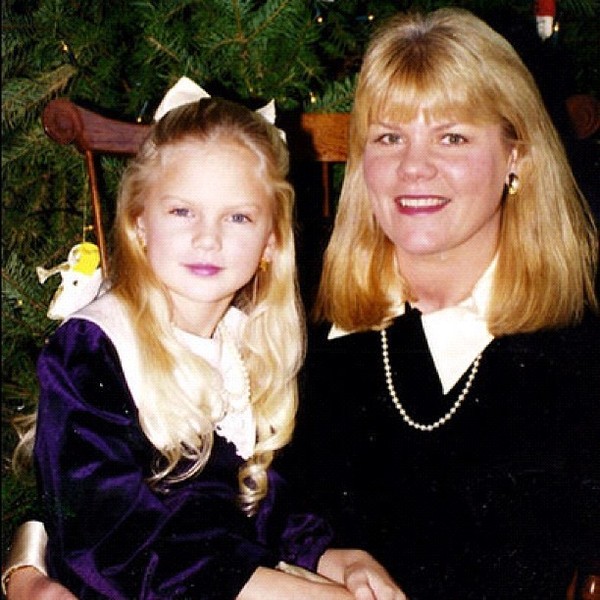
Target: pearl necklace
<point x="238" y="393"/>
<point x="392" y="391"/>
<point x="238" y="424"/>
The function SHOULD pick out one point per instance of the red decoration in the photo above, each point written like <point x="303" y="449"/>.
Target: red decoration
<point x="545" y="8"/>
<point x="545" y="12"/>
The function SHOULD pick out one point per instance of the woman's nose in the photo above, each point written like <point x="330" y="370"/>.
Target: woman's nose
<point x="416" y="162"/>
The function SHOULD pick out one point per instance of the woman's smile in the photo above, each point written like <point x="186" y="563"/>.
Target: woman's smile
<point x="436" y="186"/>
<point x="420" y="205"/>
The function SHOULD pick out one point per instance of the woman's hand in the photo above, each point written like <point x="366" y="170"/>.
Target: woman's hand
<point x="275" y="584"/>
<point x="360" y="573"/>
<point x="30" y="584"/>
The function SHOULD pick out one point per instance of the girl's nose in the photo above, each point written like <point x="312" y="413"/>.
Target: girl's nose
<point x="206" y="236"/>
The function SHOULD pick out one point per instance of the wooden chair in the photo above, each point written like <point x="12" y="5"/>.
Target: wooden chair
<point x="584" y="113"/>
<point x="311" y="137"/>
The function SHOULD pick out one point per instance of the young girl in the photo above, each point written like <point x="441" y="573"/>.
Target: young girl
<point x="163" y="402"/>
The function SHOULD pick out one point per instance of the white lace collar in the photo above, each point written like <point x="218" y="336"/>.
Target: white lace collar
<point x="238" y="425"/>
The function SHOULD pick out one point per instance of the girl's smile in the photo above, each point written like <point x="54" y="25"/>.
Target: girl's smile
<point x="204" y="270"/>
<point x="206" y="223"/>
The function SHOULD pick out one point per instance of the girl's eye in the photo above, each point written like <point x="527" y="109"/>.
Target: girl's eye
<point x="239" y="218"/>
<point x="180" y="212"/>
<point x="454" y="138"/>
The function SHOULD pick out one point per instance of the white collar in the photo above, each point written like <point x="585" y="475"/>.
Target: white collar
<point x="210" y="348"/>
<point x="238" y="425"/>
<point x="455" y="335"/>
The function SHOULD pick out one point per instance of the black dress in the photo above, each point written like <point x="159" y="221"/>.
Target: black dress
<point x="502" y="501"/>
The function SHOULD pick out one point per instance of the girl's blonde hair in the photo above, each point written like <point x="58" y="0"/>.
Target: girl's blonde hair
<point x="181" y="404"/>
<point x="450" y="63"/>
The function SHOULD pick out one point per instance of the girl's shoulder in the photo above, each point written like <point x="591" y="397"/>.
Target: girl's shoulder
<point x="102" y="319"/>
<point x="107" y="317"/>
<point x="108" y="312"/>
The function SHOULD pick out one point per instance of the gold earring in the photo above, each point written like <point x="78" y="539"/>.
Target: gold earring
<point x="513" y="184"/>
<point x="263" y="267"/>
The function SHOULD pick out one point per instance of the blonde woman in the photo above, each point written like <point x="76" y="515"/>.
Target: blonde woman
<point x="163" y="402"/>
<point x="455" y="397"/>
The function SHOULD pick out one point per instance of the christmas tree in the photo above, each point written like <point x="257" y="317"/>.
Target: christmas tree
<point x="118" y="57"/>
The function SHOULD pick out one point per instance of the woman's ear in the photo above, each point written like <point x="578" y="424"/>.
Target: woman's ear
<point x="140" y="230"/>
<point x="513" y="160"/>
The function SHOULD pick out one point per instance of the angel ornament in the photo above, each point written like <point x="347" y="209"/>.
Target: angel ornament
<point x="81" y="277"/>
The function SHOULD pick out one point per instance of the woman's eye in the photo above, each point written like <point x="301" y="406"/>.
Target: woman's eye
<point x="454" y="138"/>
<point x="390" y="139"/>
<point x="180" y="212"/>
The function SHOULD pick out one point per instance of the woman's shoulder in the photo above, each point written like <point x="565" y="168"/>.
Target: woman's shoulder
<point x="561" y="361"/>
<point x="576" y="339"/>
<point x="348" y="352"/>
<point x="328" y="335"/>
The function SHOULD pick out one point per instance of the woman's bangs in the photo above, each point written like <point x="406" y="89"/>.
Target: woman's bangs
<point x="437" y="94"/>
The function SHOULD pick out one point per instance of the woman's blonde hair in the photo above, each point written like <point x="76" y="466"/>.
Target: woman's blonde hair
<point x="181" y="403"/>
<point x="449" y="62"/>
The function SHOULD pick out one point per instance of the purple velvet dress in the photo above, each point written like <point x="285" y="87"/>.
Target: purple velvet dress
<point x="110" y="534"/>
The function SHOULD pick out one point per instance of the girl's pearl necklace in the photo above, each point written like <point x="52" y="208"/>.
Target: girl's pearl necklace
<point x="238" y="424"/>
<point x="238" y="397"/>
<point x="390" y="385"/>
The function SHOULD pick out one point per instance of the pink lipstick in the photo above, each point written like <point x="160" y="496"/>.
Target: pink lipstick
<point x="203" y="269"/>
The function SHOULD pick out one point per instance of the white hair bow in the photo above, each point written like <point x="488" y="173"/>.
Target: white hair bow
<point x="185" y="91"/>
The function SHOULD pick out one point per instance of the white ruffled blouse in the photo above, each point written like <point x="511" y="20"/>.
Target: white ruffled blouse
<point x="238" y="426"/>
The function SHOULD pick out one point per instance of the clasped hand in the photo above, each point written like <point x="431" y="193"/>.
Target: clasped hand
<point x="361" y="575"/>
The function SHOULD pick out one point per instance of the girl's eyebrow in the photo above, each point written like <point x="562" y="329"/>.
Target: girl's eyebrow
<point x="241" y="205"/>
<point x="174" y="197"/>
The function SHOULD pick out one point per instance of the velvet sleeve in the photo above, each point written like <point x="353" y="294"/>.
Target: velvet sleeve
<point x="111" y="535"/>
